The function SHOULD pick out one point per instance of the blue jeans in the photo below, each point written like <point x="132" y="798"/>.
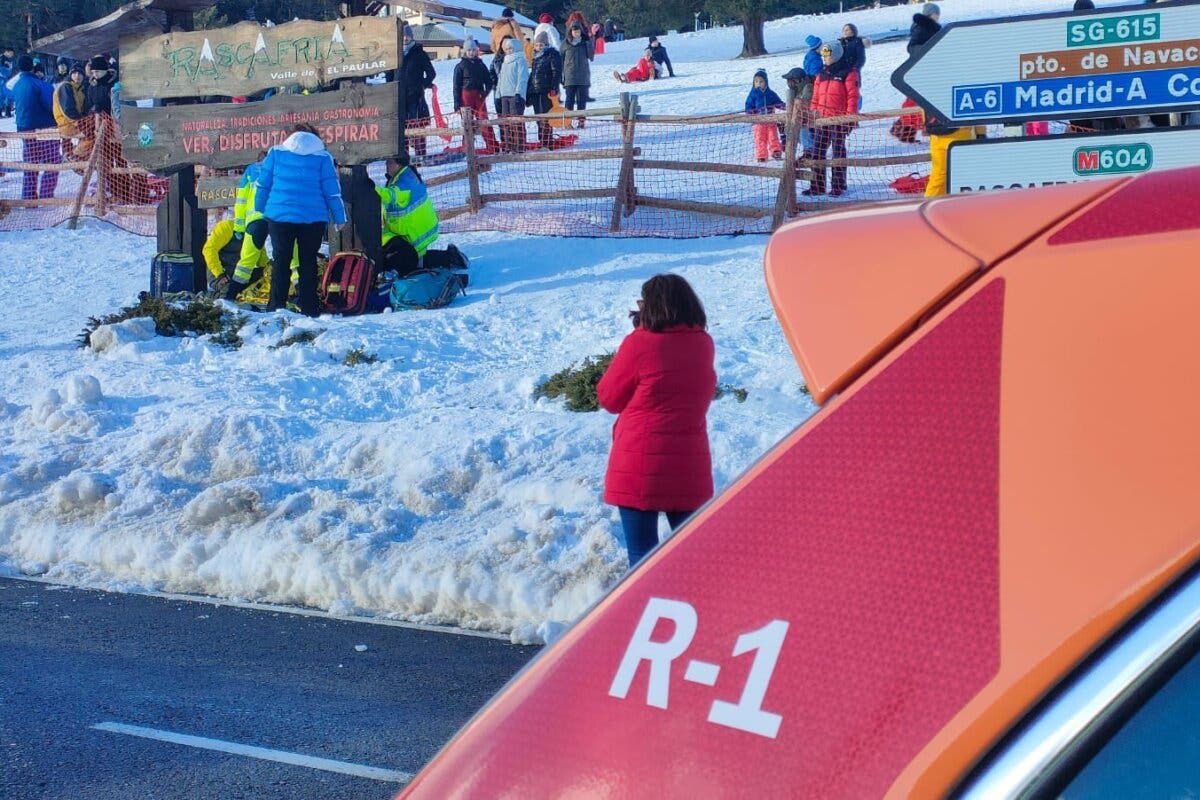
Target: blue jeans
<point x="641" y="530"/>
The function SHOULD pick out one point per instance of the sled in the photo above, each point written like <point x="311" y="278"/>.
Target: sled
<point x="557" y="143"/>
<point x="557" y="107"/>
<point x="438" y="118"/>
<point x="451" y="155"/>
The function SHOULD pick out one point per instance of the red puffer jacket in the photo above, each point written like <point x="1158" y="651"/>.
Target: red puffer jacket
<point x="661" y="385"/>
<point x="836" y="91"/>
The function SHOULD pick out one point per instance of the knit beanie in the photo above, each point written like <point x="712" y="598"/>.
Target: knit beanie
<point x="812" y="41"/>
<point x="543" y="38"/>
<point x="929" y="9"/>
<point x="545" y="18"/>
<point x="98" y="64"/>
<point x="24" y="63"/>
<point x="470" y="44"/>
<point x="835" y="50"/>
<point x="1084" y="5"/>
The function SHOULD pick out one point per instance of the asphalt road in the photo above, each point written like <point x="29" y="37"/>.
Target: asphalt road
<point x="71" y="659"/>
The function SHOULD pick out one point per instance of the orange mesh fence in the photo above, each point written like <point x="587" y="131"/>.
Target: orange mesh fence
<point x="51" y="176"/>
<point x="607" y="173"/>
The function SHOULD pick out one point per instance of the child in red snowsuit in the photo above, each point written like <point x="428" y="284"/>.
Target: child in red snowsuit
<point x="644" y="70"/>
<point x="762" y="100"/>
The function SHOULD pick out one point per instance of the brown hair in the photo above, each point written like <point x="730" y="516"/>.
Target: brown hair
<point x="668" y="301"/>
<point x="304" y="127"/>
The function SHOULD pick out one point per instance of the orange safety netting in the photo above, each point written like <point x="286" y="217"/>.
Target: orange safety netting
<point x="51" y="176"/>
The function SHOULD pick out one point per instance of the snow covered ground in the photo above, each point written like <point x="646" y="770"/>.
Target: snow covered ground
<point x="429" y="485"/>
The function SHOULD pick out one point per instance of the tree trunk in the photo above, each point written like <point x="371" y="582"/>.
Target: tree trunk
<point x="752" y="37"/>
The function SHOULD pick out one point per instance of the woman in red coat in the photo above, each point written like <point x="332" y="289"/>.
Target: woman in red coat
<point x="835" y="94"/>
<point x="660" y="383"/>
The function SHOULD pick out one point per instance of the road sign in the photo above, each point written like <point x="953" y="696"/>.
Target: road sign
<point x="1046" y="160"/>
<point x="1132" y="59"/>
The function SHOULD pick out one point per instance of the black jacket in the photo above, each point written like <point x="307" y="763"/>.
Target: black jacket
<point x="546" y="73"/>
<point x="418" y="74"/>
<point x="471" y="73"/>
<point x="659" y="54"/>
<point x="97" y="95"/>
<point x="855" y="52"/>
<point x="922" y="30"/>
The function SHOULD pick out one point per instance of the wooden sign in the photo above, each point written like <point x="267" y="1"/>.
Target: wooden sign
<point x="359" y="124"/>
<point x="218" y="192"/>
<point x="248" y="58"/>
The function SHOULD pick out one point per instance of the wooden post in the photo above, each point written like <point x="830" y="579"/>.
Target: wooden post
<point x="102" y="176"/>
<point x="787" y="182"/>
<point x="183" y="225"/>
<point x="468" y="126"/>
<point x="625" y="187"/>
<point x="97" y="143"/>
<point x="364" y="227"/>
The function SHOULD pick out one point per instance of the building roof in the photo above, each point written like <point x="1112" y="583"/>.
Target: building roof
<point x="137" y="18"/>
<point x="465" y="9"/>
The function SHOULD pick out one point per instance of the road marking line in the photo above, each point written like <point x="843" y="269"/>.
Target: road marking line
<point x="281" y="756"/>
<point x="293" y="610"/>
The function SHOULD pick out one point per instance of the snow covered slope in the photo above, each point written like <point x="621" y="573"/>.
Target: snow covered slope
<point x="430" y="485"/>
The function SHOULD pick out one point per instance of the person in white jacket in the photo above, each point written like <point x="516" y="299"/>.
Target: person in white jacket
<point x="546" y="23"/>
<point x="511" y="86"/>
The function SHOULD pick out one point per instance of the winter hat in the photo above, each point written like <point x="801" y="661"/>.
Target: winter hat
<point x="408" y="31"/>
<point x="470" y="44"/>
<point x="1084" y="5"/>
<point x="98" y="64"/>
<point x="795" y="74"/>
<point x="762" y="73"/>
<point x="543" y="38"/>
<point x="545" y="18"/>
<point x="835" y="51"/>
<point x="76" y="67"/>
<point x="929" y="9"/>
<point x="812" y="41"/>
<point x="508" y="13"/>
<point x="25" y="63"/>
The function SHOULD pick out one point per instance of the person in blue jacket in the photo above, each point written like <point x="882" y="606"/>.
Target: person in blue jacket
<point x="298" y="192"/>
<point x="763" y="100"/>
<point x="34" y="100"/>
<point x="812" y="58"/>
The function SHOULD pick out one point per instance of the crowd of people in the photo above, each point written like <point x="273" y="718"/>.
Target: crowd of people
<point x="70" y="99"/>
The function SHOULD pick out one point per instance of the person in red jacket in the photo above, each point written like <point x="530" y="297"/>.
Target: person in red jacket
<point x="835" y="94"/>
<point x="660" y="384"/>
<point x="644" y="70"/>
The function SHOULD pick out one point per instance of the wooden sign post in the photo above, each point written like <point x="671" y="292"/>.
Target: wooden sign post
<point x="359" y="124"/>
<point x="247" y="58"/>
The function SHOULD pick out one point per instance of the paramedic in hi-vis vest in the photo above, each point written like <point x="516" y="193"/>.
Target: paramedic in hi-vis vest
<point x="410" y="223"/>
<point x="251" y="227"/>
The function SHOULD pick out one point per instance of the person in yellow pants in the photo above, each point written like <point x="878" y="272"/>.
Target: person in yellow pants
<point x="939" y="144"/>
<point x="252" y="227"/>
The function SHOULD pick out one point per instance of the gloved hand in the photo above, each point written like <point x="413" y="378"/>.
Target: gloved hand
<point x="220" y="284"/>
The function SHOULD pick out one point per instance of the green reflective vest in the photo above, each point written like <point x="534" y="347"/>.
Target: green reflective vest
<point x="408" y="211"/>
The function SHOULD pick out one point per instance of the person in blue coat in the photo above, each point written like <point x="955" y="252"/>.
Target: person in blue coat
<point x="298" y="192"/>
<point x="34" y="100"/>
<point x="812" y="58"/>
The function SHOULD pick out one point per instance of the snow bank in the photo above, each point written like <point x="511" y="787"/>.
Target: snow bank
<point x="428" y="486"/>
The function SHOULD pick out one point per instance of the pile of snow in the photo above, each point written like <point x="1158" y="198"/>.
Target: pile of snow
<point x="429" y="486"/>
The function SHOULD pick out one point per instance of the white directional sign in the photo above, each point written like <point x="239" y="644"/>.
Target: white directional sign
<point x="1046" y="160"/>
<point x="1131" y="59"/>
